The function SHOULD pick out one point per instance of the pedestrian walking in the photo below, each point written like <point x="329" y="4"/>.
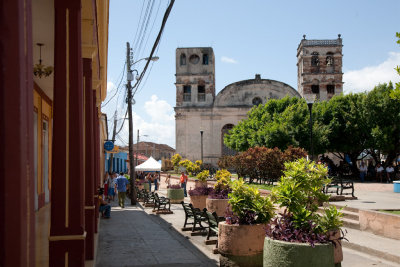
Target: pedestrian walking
<point x="122" y="184"/>
<point x="363" y="171"/>
<point x="111" y="189"/>
<point x="168" y="180"/>
<point x="183" y="181"/>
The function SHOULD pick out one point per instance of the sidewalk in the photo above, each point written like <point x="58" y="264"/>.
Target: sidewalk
<point x="132" y="237"/>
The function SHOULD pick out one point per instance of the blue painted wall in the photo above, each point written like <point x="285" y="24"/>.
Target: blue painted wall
<point x="119" y="163"/>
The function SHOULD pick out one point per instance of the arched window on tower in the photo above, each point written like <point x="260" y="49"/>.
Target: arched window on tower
<point x="329" y="59"/>
<point x="314" y="59"/>
<point x="226" y="151"/>
<point x="183" y="59"/>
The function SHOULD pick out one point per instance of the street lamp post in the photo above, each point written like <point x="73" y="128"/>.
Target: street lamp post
<point x="310" y="104"/>
<point x="130" y="99"/>
<point x="201" y="138"/>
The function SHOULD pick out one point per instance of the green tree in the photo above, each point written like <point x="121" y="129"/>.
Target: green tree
<point x="349" y="131"/>
<point x="279" y="123"/>
<point x="396" y="93"/>
<point x="383" y="116"/>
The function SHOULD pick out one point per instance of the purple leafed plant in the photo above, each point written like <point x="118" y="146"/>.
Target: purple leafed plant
<point x="248" y="219"/>
<point x="175" y="186"/>
<point x="222" y="194"/>
<point x="283" y="228"/>
<point x="200" y="191"/>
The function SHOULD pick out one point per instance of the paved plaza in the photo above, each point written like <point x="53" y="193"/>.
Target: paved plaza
<point x="134" y="236"/>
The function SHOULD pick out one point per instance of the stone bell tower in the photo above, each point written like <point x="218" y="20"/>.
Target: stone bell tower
<point x="319" y="68"/>
<point x="195" y="77"/>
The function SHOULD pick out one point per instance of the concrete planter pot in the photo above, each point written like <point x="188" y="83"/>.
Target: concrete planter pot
<point x="217" y="205"/>
<point x="146" y="186"/>
<point x="198" y="183"/>
<point x="175" y="195"/>
<point x="198" y="201"/>
<point x="334" y="236"/>
<point x="241" y="245"/>
<point x="287" y="254"/>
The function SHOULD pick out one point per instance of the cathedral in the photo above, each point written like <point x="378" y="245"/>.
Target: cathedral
<point x="202" y="118"/>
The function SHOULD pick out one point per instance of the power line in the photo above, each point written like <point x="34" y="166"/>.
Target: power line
<point x="123" y="71"/>
<point x="164" y="21"/>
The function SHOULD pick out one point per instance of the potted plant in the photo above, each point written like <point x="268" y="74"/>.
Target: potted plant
<point x="241" y="236"/>
<point x="201" y="179"/>
<point x="217" y="200"/>
<point x="198" y="196"/>
<point x="175" y="193"/>
<point x="300" y="234"/>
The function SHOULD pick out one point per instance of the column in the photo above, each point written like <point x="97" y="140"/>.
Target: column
<point x="67" y="228"/>
<point x="90" y="210"/>
<point x="96" y="157"/>
<point x="17" y="219"/>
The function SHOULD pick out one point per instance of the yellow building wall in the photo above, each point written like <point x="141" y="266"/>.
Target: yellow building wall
<point x="43" y="107"/>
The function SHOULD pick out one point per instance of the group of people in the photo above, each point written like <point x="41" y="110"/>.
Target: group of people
<point x="379" y="172"/>
<point x="112" y="184"/>
<point x="151" y="178"/>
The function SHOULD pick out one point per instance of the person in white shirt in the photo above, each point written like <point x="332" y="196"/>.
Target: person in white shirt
<point x="363" y="171"/>
<point x="379" y="171"/>
<point x="389" y="173"/>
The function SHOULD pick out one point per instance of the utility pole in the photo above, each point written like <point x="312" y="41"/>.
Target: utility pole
<point x="131" y="162"/>
<point x="113" y="139"/>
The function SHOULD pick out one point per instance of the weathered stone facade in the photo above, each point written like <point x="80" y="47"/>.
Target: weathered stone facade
<point x="199" y="109"/>
<point x="319" y="68"/>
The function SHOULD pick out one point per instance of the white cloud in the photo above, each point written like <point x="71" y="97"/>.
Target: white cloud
<point x="160" y="128"/>
<point x="367" y="78"/>
<point x="228" y="60"/>
<point x="110" y="87"/>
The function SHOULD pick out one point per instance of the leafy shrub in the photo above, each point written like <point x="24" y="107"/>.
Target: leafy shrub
<point x="200" y="191"/>
<point x="191" y="167"/>
<point x="176" y="159"/>
<point x="202" y="176"/>
<point x="248" y="205"/>
<point x="219" y="194"/>
<point x="284" y="228"/>
<point x="331" y="219"/>
<point x="175" y="186"/>
<point x="300" y="192"/>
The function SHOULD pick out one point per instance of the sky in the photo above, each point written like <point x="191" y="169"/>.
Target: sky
<point x="248" y="37"/>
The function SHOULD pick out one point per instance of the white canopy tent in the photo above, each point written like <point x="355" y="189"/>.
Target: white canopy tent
<point x="150" y="165"/>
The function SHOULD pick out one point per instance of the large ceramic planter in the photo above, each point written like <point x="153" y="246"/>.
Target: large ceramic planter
<point x="241" y="245"/>
<point x="175" y="195"/>
<point x="334" y="236"/>
<point x="217" y="205"/>
<point x="198" y="183"/>
<point x="287" y="254"/>
<point x="198" y="201"/>
<point x="146" y="186"/>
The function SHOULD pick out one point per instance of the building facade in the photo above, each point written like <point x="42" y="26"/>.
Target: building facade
<point x="319" y="68"/>
<point x="202" y="118"/>
<point x="53" y="55"/>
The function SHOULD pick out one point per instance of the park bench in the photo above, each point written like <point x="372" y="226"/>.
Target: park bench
<point x="212" y="220"/>
<point x="160" y="204"/>
<point x="140" y="193"/>
<point x="195" y="214"/>
<point x="339" y="185"/>
<point x="148" y="199"/>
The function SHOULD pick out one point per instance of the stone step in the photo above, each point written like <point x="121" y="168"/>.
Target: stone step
<point x="349" y="223"/>
<point x="374" y="245"/>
